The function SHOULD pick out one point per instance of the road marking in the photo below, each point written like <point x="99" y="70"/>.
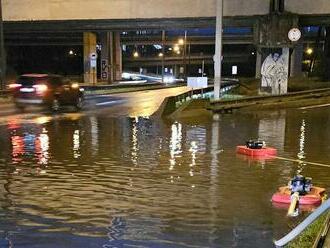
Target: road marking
<point x="316" y="106"/>
<point x="109" y="102"/>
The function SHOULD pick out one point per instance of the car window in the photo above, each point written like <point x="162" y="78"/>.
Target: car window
<point x="29" y="81"/>
<point x="66" y="81"/>
<point x="56" y="81"/>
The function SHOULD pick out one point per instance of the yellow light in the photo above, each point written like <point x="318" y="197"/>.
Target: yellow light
<point x="309" y="51"/>
<point x="160" y="54"/>
<point x="75" y="86"/>
<point x="178" y="52"/>
<point x="181" y="41"/>
<point x="135" y="54"/>
<point x="176" y="48"/>
<point x="43" y="119"/>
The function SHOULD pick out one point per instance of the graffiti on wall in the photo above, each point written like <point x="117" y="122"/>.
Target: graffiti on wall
<point x="274" y="73"/>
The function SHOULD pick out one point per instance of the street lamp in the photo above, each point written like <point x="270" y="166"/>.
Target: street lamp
<point x="135" y="54"/>
<point x="181" y="41"/>
<point x="309" y="51"/>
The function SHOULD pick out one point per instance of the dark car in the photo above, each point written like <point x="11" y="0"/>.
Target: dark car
<point x="48" y="90"/>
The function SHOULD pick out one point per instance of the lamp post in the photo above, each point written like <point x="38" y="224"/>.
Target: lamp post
<point x="163" y="52"/>
<point x="185" y="54"/>
<point x="2" y="54"/>
<point x="218" y="50"/>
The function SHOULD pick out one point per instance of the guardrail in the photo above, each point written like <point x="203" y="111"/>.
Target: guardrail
<point x="219" y="105"/>
<point x="303" y="225"/>
<point x="172" y="103"/>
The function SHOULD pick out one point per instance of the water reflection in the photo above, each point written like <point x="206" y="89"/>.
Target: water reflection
<point x="42" y="147"/>
<point x="140" y="182"/>
<point x="301" y="153"/>
<point x="134" y="152"/>
<point x="76" y="144"/>
<point x="28" y="145"/>
<point x="94" y="134"/>
<point x="273" y="129"/>
<point x="175" y="144"/>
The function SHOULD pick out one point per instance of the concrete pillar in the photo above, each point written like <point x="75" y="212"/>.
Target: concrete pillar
<point x="218" y="50"/>
<point x="111" y="57"/>
<point x="258" y="64"/>
<point x="296" y="61"/>
<point x="117" y="57"/>
<point x="89" y="48"/>
<point x="105" y="55"/>
<point x="176" y="71"/>
<point x="283" y="86"/>
<point x="326" y="75"/>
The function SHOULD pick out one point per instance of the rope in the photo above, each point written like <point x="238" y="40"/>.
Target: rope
<point x="301" y="161"/>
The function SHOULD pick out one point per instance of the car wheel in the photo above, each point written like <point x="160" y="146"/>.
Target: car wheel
<point x="55" y="106"/>
<point x="79" y="103"/>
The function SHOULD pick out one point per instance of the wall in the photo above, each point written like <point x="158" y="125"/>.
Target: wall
<point x="20" y="10"/>
<point x="308" y="6"/>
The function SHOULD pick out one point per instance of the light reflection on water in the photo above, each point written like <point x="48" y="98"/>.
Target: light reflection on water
<point x="102" y="182"/>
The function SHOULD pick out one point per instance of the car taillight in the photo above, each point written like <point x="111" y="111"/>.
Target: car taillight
<point x="40" y="88"/>
<point x="14" y="86"/>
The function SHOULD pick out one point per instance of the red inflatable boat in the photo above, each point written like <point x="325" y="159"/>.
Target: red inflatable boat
<point x="314" y="197"/>
<point x="262" y="152"/>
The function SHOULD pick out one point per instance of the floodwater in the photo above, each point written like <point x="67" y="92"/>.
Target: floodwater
<point x="99" y="181"/>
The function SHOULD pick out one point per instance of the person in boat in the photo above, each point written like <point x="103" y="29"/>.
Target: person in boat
<point x="300" y="184"/>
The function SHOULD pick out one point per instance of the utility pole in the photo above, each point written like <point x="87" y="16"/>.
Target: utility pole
<point x="218" y="50"/>
<point x="163" y="57"/>
<point x="2" y="54"/>
<point x="185" y="55"/>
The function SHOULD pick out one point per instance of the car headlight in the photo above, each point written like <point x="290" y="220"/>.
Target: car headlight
<point x="74" y="86"/>
<point x="169" y="79"/>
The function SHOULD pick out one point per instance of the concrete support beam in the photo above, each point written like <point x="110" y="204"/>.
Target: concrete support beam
<point x="218" y="49"/>
<point x="283" y="88"/>
<point x="296" y="61"/>
<point x="105" y="56"/>
<point x="258" y="64"/>
<point x="89" y="48"/>
<point x="111" y="57"/>
<point x="117" y="57"/>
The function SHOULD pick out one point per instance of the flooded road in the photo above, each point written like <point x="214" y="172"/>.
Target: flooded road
<point x="138" y="103"/>
<point x="99" y="180"/>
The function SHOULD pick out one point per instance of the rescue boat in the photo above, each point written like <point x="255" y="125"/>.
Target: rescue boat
<point x="313" y="197"/>
<point x="261" y="152"/>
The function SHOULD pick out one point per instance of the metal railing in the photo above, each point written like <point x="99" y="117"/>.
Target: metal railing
<point x="218" y="105"/>
<point x="303" y="225"/>
<point x="174" y="102"/>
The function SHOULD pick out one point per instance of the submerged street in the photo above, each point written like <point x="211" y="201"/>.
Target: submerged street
<point x="111" y="176"/>
<point x="140" y="103"/>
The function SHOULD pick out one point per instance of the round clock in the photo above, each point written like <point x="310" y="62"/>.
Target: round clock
<point x="294" y="34"/>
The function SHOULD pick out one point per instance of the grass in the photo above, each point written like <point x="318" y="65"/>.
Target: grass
<point x="307" y="238"/>
<point x="299" y="84"/>
<point x="250" y="86"/>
